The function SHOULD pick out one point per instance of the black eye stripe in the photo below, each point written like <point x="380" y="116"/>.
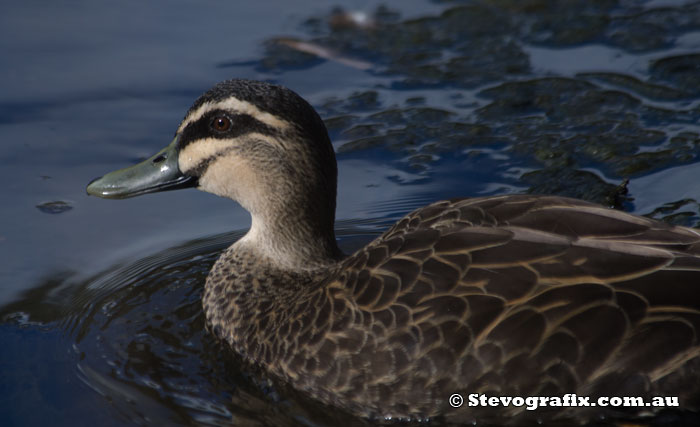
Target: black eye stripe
<point x="241" y="124"/>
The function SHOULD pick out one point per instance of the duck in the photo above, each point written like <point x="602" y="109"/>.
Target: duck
<point x="459" y="303"/>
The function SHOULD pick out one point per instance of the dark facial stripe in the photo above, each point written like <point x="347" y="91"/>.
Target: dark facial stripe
<point x="241" y="124"/>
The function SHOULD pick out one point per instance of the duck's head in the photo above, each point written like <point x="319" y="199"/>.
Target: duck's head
<point x="257" y="143"/>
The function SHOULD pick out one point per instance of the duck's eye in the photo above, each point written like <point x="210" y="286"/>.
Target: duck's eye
<point x="221" y="124"/>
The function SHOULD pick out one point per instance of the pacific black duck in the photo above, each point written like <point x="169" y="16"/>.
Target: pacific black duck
<point x="514" y="295"/>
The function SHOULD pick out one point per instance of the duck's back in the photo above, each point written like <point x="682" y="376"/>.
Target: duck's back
<point x="507" y="296"/>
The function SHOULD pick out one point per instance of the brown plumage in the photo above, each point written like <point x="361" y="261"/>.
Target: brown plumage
<point x="508" y="296"/>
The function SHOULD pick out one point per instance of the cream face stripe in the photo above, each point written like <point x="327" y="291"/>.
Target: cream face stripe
<point x="193" y="155"/>
<point x="239" y="106"/>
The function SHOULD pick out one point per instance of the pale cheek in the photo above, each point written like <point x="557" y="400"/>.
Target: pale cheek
<point x="232" y="178"/>
<point x="192" y="155"/>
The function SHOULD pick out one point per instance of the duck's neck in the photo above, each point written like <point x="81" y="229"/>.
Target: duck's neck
<point x="290" y="242"/>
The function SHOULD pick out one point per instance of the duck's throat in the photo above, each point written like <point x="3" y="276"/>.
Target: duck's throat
<point x="290" y="244"/>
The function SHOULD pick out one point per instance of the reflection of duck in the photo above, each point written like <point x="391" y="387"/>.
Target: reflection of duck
<point x="510" y="295"/>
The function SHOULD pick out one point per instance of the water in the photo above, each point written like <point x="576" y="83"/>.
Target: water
<point x="100" y="317"/>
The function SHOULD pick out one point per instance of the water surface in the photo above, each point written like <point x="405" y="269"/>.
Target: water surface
<point x="100" y="317"/>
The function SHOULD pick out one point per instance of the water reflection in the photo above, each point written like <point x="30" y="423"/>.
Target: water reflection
<point x="610" y="86"/>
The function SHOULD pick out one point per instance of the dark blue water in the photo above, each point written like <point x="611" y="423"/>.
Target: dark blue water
<point x="100" y="320"/>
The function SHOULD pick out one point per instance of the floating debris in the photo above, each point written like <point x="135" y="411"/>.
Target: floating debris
<point x="341" y="19"/>
<point x="55" y="207"/>
<point x="322" y="52"/>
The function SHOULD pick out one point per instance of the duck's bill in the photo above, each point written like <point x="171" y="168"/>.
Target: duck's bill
<point x="159" y="173"/>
